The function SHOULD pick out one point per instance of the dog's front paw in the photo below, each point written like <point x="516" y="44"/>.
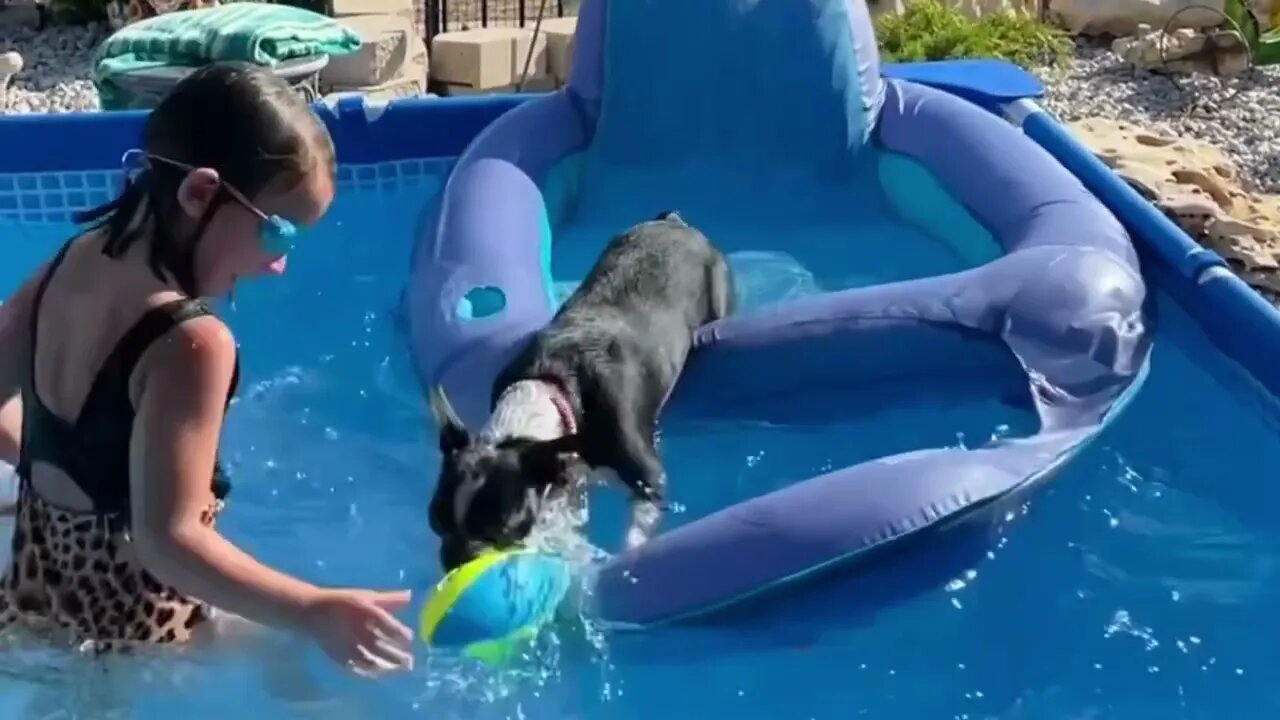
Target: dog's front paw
<point x="635" y="538"/>
<point x="645" y="515"/>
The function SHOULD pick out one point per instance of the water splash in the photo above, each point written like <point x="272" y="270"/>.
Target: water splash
<point x="767" y="277"/>
<point x="1122" y="624"/>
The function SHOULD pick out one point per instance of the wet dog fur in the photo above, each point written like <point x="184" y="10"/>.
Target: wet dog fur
<point x="583" y="395"/>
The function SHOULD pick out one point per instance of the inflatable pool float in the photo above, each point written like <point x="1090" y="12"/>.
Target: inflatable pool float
<point x="1056" y="307"/>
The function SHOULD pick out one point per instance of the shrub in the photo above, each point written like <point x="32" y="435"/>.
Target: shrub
<point x="934" y="30"/>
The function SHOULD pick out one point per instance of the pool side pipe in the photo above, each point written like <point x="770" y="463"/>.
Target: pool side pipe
<point x="494" y="605"/>
<point x="1251" y="334"/>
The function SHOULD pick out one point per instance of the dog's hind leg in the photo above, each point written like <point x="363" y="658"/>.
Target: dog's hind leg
<point x="721" y="289"/>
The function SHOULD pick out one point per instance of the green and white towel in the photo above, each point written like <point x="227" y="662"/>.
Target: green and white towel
<point x="260" y="33"/>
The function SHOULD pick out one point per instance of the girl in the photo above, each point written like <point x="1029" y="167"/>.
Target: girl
<point x="115" y="377"/>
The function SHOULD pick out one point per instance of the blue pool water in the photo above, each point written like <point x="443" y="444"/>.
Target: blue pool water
<point x="795" y="240"/>
<point x="1140" y="584"/>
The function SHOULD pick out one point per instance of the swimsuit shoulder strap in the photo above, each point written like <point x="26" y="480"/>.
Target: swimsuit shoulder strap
<point x="153" y="325"/>
<point x="34" y="320"/>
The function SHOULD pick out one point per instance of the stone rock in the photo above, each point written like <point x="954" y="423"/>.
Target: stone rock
<point x="1185" y="50"/>
<point x="390" y="50"/>
<point x="560" y="45"/>
<point x="10" y="65"/>
<point x="402" y="87"/>
<point x="1122" y="17"/>
<point x="487" y="58"/>
<point x="1196" y="185"/>
<point x="545" y="83"/>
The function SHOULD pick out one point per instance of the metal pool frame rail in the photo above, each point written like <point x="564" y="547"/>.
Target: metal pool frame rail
<point x="1241" y="323"/>
<point x="365" y="133"/>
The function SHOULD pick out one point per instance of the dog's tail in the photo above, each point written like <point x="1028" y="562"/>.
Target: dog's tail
<point x="671" y="216"/>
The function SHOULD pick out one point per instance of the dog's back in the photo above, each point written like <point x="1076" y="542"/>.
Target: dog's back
<point x="652" y="286"/>
<point x="659" y="270"/>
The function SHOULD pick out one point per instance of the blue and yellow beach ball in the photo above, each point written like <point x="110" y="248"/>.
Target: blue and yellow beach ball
<point x="494" y="603"/>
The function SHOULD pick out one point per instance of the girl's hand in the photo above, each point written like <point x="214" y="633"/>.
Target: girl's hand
<point x="356" y="628"/>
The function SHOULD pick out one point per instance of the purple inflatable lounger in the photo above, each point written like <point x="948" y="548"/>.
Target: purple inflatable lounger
<point x="1063" y="305"/>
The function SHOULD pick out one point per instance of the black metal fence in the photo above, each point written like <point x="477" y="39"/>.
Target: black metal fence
<point x="449" y="15"/>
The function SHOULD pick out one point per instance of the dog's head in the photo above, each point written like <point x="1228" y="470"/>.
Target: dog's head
<point x="489" y="493"/>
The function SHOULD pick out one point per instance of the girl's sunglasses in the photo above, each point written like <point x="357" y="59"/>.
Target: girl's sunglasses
<point x="276" y="234"/>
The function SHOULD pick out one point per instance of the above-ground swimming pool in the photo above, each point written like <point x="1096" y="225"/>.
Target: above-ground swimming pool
<point x="1142" y="584"/>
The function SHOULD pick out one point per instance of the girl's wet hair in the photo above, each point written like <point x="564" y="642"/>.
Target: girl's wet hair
<point x="236" y="118"/>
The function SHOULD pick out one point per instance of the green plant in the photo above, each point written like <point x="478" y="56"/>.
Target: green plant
<point x="934" y="30"/>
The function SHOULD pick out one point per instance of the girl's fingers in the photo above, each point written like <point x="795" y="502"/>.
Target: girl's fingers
<point x="391" y="628"/>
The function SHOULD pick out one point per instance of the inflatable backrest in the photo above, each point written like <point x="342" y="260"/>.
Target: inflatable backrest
<point x="773" y="82"/>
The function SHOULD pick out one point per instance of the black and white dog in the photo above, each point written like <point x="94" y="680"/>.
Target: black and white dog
<point x="584" y="394"/>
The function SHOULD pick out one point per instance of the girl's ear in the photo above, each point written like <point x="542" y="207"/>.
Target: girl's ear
<point x="197" y="191"/>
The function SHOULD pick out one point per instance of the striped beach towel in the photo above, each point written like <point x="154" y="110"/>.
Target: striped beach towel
<point x="259" y="33"/>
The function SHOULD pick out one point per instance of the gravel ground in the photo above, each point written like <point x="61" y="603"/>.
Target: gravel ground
<point x="1240" y="116"/>
<point x="56" y="66"/>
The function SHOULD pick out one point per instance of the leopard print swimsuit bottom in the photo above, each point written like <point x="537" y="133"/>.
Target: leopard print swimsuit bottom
<point x="70" y="573"/>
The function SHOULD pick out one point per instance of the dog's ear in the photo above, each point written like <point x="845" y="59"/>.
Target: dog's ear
<point x="456" y="552"/>
<point x="547" y="461"/>
<point x="671" y="216"/>
<point x="453" y="434"/>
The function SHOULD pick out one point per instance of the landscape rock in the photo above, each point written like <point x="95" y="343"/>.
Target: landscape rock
<point x="1185" y="50"/>
<point x="10" y="65"/>
<point x="1120" y="18"/>
<point x="1197" y="186"/>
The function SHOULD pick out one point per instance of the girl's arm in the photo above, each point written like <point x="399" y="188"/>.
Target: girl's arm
<point x="15" y="362"/>
<point x="184" y="383"/>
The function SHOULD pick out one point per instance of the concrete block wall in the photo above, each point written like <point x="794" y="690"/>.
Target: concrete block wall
<point x="392" y="61"/>
<point x="493" y="59"/>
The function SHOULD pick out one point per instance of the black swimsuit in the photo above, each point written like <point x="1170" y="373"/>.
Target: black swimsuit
<point x="68" y="567"/>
